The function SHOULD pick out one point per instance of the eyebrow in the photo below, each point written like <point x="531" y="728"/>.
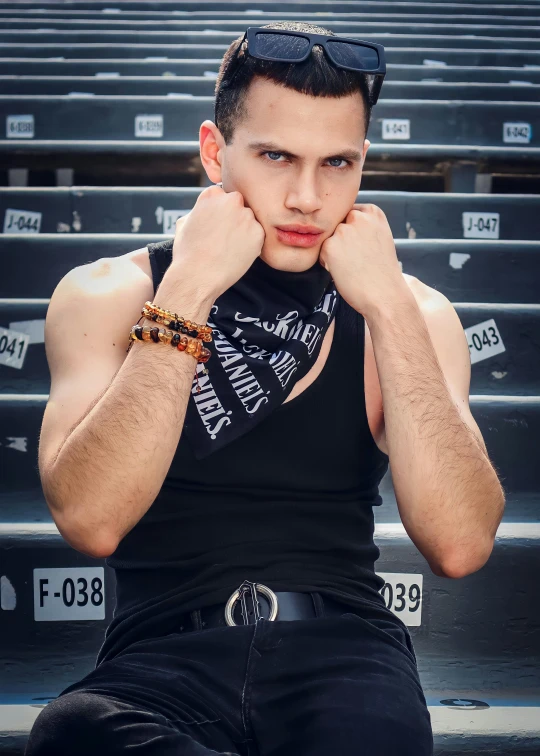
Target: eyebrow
<point x="354" y="155"/>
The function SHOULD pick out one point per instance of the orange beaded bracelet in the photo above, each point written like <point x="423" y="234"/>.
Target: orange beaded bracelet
<point x="177" y="323"/>
<point x="183" y="343"/>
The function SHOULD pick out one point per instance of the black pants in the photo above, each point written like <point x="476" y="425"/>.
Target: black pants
<point x="344" y="685"/>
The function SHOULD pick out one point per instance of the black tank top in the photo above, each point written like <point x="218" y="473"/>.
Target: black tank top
<point x="289" y="504"/>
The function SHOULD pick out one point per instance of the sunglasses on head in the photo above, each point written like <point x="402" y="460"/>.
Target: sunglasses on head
<point x="287" y="46"/>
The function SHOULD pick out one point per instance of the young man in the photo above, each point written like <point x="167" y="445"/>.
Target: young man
<point x="236" y="504"/>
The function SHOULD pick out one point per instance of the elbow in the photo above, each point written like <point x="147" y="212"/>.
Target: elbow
<point x="90" y="540"/>
<point x="461" y="563"/>
<point x="96" y="545"/>
<point x="93" y="546"/>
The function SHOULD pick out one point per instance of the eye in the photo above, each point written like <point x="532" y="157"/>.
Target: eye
<point x="347" y="162"/>
<point x="272" y="153"/>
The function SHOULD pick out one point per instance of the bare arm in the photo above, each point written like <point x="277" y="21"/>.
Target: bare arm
<point x="105" y="474"/>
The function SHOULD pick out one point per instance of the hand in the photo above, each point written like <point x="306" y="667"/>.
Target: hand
<point x="217" y="241"/>
<point x="361" y="258"/>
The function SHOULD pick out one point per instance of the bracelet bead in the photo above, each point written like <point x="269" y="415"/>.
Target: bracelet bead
<point x="183" y="342"/>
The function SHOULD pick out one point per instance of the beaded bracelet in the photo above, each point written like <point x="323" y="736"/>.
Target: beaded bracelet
<point x="152" y="312"/>
<point x="183" y="343"/>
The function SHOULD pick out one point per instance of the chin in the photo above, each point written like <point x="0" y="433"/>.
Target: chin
<point x="292" y="259"/>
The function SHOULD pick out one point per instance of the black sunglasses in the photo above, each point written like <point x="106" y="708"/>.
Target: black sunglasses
<point x="286" y="46"/>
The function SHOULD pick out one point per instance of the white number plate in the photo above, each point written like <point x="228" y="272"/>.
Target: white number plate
<point x="149" y="126"/>
<point x="402" y="594"/>
<point x="396" y="128"/>
<point x="20" y="127"/>
<point x="517" y="133"/>
<point x="69" y="593"/>
<point x="169" y="220"/>
<point x="13" y="346"/>
<point x="484" y="340"/>
<point x="481" y="225"/>
<point x="21" y="222"/>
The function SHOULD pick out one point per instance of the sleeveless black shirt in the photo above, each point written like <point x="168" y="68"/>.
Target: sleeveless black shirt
<point x="289" y="504"/>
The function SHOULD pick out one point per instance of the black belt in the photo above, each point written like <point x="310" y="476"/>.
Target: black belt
<point x="250" y="601"/>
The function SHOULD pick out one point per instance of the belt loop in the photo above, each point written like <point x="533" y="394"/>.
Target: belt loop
<point x="196" y="619"/>
<point x="318" y="604"/>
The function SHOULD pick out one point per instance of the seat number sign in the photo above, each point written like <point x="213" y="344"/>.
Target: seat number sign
<point x="13" y="347"/>
<point x="396" y="128"/>
<point x="69" y="593"/>
<point x="517" y="133"/>
<point x="402" y="594"/>
<point x="481" y="225"/>
<point x="20" y="126"/>
<point x="21" y="222"/>
<point x="149" y="126"/>
<point x="484" y="340"/>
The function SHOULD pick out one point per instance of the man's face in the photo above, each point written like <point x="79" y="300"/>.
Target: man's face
<point x="291" y="159"/>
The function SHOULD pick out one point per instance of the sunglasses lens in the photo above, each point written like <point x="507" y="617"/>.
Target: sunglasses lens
<point x="355" y="56"/>
<point x="283" y="46"/>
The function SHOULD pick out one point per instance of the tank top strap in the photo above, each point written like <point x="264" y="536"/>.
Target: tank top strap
<point x="160" y="255"/>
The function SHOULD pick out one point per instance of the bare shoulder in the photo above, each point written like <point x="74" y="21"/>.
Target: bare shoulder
<point x="109" y="272"/>
<point x="119" y="282"/>
<point x="104" y="296"/>
<point x="427" y="298"/>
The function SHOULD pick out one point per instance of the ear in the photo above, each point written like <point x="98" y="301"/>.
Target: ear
<point x="367" y="145"/>
<point x="211" y="143"/>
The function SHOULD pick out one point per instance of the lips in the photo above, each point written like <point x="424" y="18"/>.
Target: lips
<point x="302" y="238"/>
<point x="300" y="229"/>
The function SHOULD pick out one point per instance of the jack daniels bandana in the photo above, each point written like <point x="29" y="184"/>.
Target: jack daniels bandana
<point x="267" y="331"/>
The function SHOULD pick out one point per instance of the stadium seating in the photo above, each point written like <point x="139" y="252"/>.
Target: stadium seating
<point x="458" y="117"/>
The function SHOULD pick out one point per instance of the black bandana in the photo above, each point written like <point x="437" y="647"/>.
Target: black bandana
<point x="267" y="331"/>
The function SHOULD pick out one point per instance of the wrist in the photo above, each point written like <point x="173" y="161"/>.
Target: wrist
<point x="183" y="293"/>
<point x="394" y="304"/>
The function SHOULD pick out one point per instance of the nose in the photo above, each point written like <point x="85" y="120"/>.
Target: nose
<point x="304" y="193"/>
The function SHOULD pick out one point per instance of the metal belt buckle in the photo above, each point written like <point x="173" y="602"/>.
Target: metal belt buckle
<point x="240" y="593"/>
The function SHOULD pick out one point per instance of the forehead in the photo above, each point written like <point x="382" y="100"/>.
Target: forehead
<point x="277" y="113"/>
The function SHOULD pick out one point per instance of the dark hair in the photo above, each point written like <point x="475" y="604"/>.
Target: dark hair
<point x="314" y="76"/>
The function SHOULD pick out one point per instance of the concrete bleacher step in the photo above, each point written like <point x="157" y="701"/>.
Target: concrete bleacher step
<point x="448" y="618"/>
<point x="458" y="619"/>
<point x="149" y="209"/>
<point x="464" y="270"/>
<point x="121" y="67"/>
<point x="181" y="30"/>
<point x="413" y="49"/>
<point x="79" y="20"/>
<point x="460" y="726"/>
<point x="237" y="7"/>
<point x="86" y="122"/>
<point x="204" y="86"/>
<point x="497" y="12"/>
<point x="199" y="44"/>
<point x="504" y="345"/>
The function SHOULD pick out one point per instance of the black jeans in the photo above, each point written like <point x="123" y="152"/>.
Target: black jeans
<point x="344" y="685"/>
